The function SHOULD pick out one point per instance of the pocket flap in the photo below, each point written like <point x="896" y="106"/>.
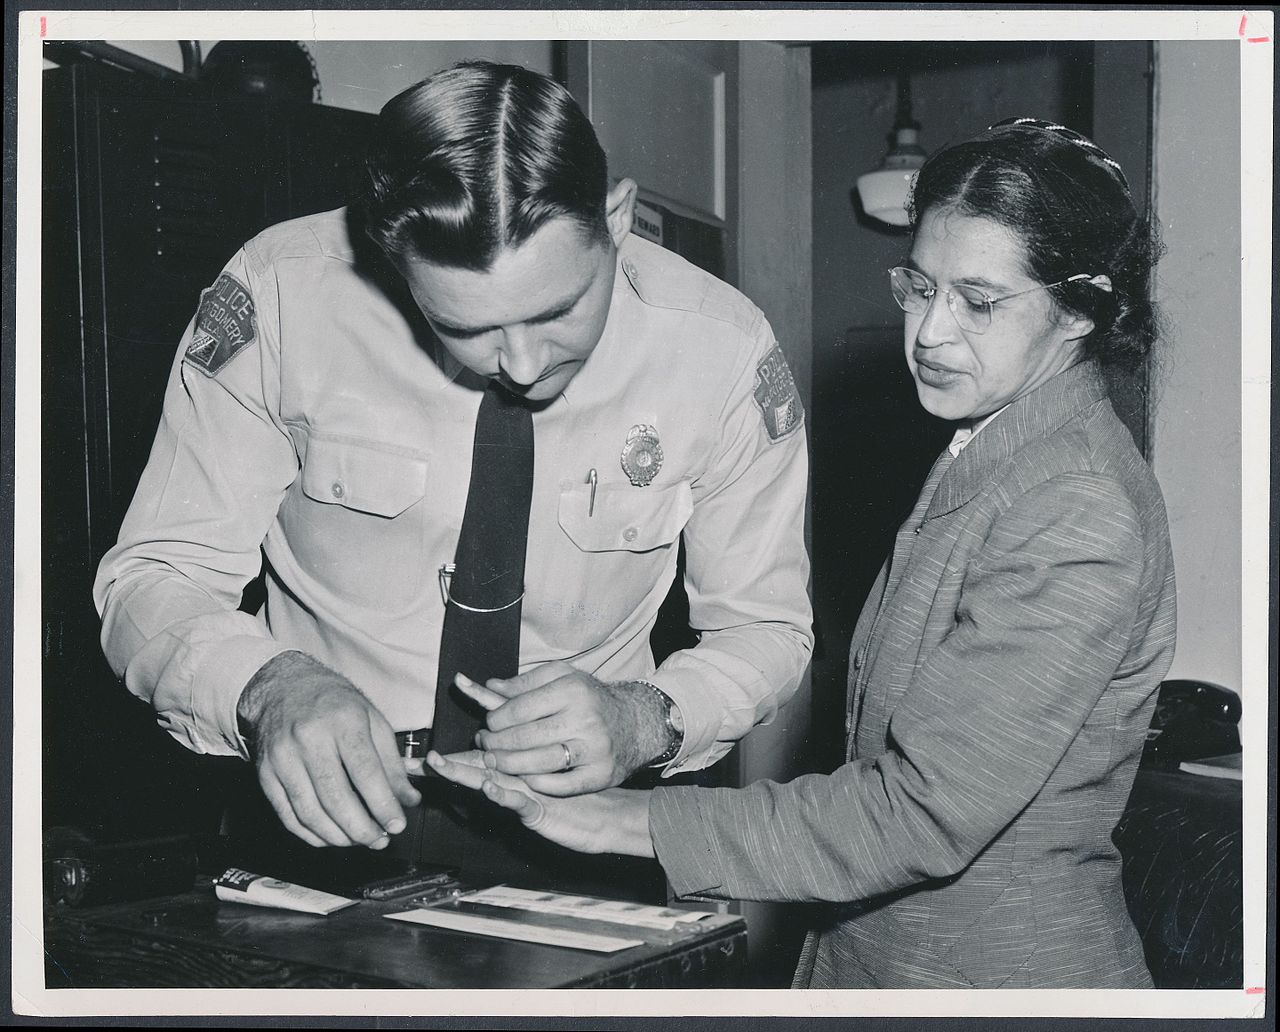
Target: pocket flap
<point x="361" y="476"/>
<point x="624" y="518"/>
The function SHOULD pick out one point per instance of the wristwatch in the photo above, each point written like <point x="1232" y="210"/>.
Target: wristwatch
<point x="675" y="735"/>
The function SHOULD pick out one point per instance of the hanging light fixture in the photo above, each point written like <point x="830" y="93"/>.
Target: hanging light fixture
<point x="884" y="192"/>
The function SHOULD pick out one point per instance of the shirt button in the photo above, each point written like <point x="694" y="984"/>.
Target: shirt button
<point x="630" y="534"/>
<point x="339" y="489"/>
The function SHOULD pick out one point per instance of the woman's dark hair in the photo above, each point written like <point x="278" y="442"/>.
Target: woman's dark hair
<point x="476" y="158"/>
<point x="1069" y="205"/>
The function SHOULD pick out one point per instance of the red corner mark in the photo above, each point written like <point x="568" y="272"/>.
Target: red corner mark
<point x="1254" y="989"/>
<point x="1243" y="18"/>
<point x="44" y="26"/>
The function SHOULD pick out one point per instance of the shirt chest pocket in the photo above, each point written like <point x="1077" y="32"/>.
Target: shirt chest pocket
<point x="357" y="522"/>
<point x="362" y="477"/>
<point x="616" y="561"/>
<point x="623" y="518"/>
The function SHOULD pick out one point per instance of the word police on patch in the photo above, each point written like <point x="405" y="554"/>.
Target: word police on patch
<point x="777" y="396"/>
<point x="224" y="325"/>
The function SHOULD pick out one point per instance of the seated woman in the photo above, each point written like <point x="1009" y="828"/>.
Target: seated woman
<point x="1004" y="669"/>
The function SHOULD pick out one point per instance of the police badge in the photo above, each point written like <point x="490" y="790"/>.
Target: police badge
<point x="642" y="455"/>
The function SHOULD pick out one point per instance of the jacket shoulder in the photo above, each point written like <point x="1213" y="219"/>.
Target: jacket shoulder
<point x="1093" y="447"/>
<point x="663" y="279"/>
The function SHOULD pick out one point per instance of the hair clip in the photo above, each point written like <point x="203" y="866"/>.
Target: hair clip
<point x="1067" y="133"/>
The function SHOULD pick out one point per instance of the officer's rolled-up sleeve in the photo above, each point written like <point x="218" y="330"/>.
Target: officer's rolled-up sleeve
<point x="747" y="569"/>
<point x="169" y="591"/>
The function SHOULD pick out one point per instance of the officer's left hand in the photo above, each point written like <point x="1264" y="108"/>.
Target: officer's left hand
<point x="611" y="729"/>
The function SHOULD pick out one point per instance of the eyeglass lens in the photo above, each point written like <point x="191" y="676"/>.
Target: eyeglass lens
<point x="913" y="291"/>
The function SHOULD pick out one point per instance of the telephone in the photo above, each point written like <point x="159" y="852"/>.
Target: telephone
<point x="1193" y="720"/>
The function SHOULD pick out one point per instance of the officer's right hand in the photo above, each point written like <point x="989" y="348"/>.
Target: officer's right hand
<point x="326" y="758"/>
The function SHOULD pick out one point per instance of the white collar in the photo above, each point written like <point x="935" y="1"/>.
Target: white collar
<point x="967" y="433"/>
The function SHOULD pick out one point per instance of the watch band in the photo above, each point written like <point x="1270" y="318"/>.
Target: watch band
<point x="674" y="734"/>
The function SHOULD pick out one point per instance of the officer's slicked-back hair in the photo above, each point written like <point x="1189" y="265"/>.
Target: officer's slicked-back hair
<point x="476" y="158"/>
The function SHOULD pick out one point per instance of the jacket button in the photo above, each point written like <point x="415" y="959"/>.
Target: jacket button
<point x="859" y="657"/>
<point x="630" y="534"/>
<point x="339" y="489"/>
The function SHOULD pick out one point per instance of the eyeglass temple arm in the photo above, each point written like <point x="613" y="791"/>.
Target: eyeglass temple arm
<point x="1099" y="281"/>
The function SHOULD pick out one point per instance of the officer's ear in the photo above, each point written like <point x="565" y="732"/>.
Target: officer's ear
<point x="620" y="209"/>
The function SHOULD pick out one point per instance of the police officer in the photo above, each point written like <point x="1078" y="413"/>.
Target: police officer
<point x="320" y="414"/>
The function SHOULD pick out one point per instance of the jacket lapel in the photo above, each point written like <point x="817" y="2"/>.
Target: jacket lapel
<point x="1032" y="416"/>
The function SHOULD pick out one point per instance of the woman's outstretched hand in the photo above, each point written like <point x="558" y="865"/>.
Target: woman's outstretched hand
<point x="612" y="821"/>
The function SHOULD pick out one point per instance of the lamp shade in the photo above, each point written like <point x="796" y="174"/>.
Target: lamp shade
<point x="886" y="191"/>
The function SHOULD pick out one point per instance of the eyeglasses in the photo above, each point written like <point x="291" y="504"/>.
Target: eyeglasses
<point x="971" y="306"/>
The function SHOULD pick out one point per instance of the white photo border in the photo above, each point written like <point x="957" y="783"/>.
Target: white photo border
<point x="757" y="23"/>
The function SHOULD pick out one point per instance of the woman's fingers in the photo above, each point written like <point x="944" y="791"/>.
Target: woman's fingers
<point x="524" y="805"/>
<point x="507" y="792"/>
<point x="457" y="770"/>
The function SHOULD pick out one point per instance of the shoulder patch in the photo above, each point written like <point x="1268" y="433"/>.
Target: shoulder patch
<point x="225" y="325"/>
<point x="776" y="394"/>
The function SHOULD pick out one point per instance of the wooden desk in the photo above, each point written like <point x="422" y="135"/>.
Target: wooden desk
<point x="1182" y="842"/>
<point x="195" y="940"/>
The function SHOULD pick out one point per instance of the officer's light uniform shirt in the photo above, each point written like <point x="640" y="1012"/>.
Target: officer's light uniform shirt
<point x="306" y="416"/>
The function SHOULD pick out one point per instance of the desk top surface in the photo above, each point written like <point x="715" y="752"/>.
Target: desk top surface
<point x="210" y="942"/>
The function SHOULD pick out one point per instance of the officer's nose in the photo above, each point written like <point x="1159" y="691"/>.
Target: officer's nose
<point x="522" y="359"/>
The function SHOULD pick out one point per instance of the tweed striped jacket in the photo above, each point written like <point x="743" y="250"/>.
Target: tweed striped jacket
<point x="1002" y="677"/>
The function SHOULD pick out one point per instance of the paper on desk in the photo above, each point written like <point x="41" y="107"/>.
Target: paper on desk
<point x="591" y="908"/>
<point x="498" y="928"/>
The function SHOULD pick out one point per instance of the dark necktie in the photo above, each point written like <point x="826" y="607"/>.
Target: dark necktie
<point x="481" y="638"/>
<point x="481" y="635"/>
